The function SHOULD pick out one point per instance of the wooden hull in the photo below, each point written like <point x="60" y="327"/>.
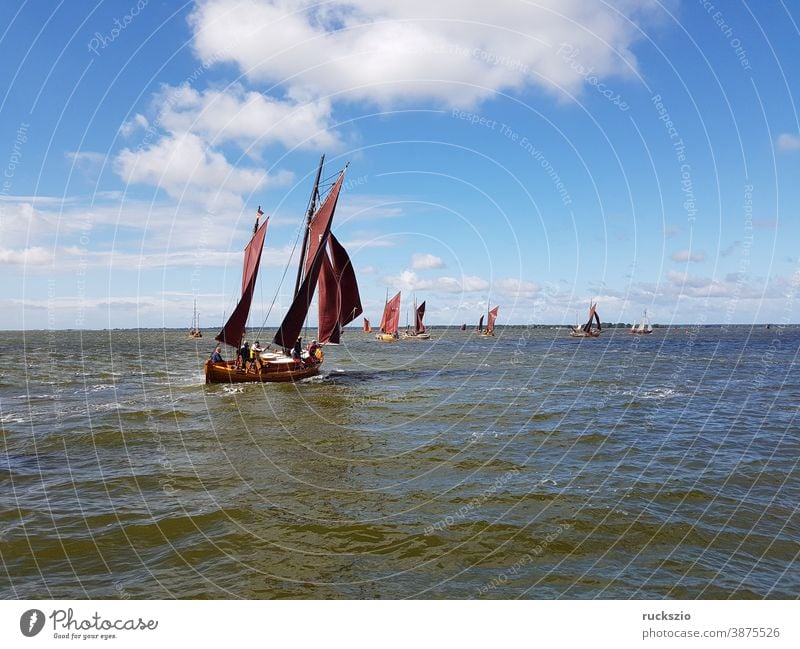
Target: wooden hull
<point x="416" y="336"/>
<point x="488" y="334"/>
<point x="270" y="373"/>
<point x="386" y="338"/>
<point x="584" y="334"/>
<point x="640" y="333"/>
<point x="195" y="334"/>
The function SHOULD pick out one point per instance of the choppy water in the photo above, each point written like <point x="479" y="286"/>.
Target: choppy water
<point x="532" y="465"/>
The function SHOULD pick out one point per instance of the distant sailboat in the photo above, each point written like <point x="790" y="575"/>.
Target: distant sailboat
<point x="324" y="264"/>
<point x="390" y="319"/>
<point x="587" y="330"/>
<point x="479" y="328"/>
<point x="491" y="316"/>
<point x="643" y="326"/>
<point x="418" y="333"/>
<point x="367" y="328"/>
<point x="464" y="327"/>
<point x="194" y="330"/>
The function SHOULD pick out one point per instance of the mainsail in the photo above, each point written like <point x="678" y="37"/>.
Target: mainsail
<point x="367" y="328"/>
<point x="492" y="317"/>
<point x="391" y="316"/>
<point x="480" y="324"/>
<point x="233" y="331"/>
<point x="419" y="327"/>
<point x="319" y="233"/>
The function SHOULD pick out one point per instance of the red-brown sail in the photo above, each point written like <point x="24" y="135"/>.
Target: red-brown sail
<point x="321" y="225"/>
<point x="339" y="300"/>
<point x="491" y="319"/>
<point x="592" y="314"/>
<point x="233" y="331"/>
<point x="419" y="327"/>
<point x="367" y="328"/>
<point x="391" y="316"/>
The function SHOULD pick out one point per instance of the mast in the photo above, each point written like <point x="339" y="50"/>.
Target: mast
<point x="311" y="209"/>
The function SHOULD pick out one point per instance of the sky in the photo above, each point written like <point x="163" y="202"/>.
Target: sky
<point x="535" y="155"/>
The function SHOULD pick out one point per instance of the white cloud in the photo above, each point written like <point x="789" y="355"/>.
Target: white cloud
<point x="187" y="168"/>
<point x="421" y="261"/>
<point x="249" y="119"/>
<point x="409" y="281"/>
<point x="452" y="52"/>
<point x="688" y="256"/>
<point x="515" y="287"/>
<point x="788" y="142"/>
<point x="29" y="257"/>
<point x="138" y="122"/>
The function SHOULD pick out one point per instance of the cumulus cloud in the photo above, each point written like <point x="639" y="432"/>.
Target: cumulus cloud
<point x="138" y="122"/>
<point x="187" y="168"/>
<point x="452" y="52"/>
<point x="788" y="142"/>
<point x="687" y="255"/>
<point x="245" y="117"/>
<point x="421" y="261"/>
<point x="515" y="287"/>
<point x="408" y="280"/>
<point x="34" y="256"/>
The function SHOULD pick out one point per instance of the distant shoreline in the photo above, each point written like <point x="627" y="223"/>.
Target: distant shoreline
<point x="469" y="328"/>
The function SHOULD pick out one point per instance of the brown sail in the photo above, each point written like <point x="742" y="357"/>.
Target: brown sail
<point x="339" y="299"/>
<point x="320" y="228"/>
<point x="492" y="317"/>
<point x="419" y="327"/>
<point x="233" y="331"/>
<point x="391" y="316"/>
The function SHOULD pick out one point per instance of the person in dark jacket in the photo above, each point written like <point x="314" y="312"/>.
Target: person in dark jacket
<point x="216" y="356"/>
<point x="244" y="355"/>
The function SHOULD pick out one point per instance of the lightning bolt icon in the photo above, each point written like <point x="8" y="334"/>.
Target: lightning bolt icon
<point x="32" y="620"/>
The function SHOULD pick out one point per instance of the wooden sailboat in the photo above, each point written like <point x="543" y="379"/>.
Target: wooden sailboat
<point x="390" y="320"/>
<point x="367" y="328"/>
<point x="194" y="330"/>
<point x="491" y="316"/>
<point x="643" y="326"/>
<point x="418" y="332"/>
<point x="587" y="330"/>
<point x="464" y="326"/>
<point x="324" y="264"/>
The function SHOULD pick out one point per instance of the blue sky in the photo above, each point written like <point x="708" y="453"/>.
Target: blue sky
<point x="642" y="154"/>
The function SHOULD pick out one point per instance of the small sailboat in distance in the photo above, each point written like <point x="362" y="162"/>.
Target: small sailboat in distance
<point x="367" y="328"/>
<point x="418" y="333"/>
<point x="325" y="268"/>
<point x="643" y="326"/>
<point x="390" y="320"/>
<point x="491" y="316"/>
<point x="194" y="330"/>
<point x="587" y="330"/>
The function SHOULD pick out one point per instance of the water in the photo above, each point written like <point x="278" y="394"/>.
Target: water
<point x="531" y="465"/>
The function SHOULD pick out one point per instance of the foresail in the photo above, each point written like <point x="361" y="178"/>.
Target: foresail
<point x="339" y="299"/>
<point x="233" y="331"/>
